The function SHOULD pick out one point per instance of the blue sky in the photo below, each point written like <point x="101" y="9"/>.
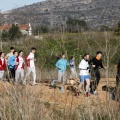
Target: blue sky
<point x="11" y="4"/>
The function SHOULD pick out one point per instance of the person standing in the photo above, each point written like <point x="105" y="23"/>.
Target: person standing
<point x="118" y="67"/>
<point x="118" y="75"/>
<point x="12" y="64"/>
<point x="73" y="69"/>
<point x="2" y="65"/>
<point x="84" y="75"/>
<point x="12" y="49"/>
<point x="7" y="57"/>
<point x="96" y="64"/>
<point x="31" y="65"/>
<point x="61" y="65"/>
<point x="19" y="69"/>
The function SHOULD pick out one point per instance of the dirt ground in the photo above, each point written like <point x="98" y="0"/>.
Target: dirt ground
<point x="54" y="96"/>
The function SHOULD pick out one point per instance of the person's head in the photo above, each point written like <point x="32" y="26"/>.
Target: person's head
<point x="63" y="55"/>
<point x="86" y="56"/>
<point x="33" y="49"/>
<point x="72" y="58"/>
<point x="2" y="54"/>
<point x="21" y="53"/>
<point x="99" y="54"/>
<point x="12" y="49"/>
<point x="15" y="53"/>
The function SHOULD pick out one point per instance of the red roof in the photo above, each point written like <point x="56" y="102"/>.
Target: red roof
<point x="8" y="26"/>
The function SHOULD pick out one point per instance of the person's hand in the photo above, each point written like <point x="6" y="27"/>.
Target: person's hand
<point x="105" y="67"/>
<point x="31" y="58"/>
<point x="93" y="66"/>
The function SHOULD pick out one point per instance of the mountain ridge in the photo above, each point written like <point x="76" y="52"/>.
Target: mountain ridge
<point x="55" y="12"/>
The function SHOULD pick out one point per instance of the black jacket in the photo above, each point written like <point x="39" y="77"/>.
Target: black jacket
<point x="98" y="63"/>
<point x="118" y="68"/>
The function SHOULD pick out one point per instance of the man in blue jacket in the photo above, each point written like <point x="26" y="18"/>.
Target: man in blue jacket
<point x="12" y="63"/>
<point x="61" y="64"/>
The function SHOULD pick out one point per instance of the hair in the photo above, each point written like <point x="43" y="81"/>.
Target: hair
<point x="1" y="53"/>
<point x="20" y="51"/>
<point x="98" y="52"/>
<point x="11" y="48"/>
<point x="72" y="57"/>
<point x="33" y="48"/>
<point x="14" y="52"/>
<point x="62" y="54"/>
<point x="85" y="55"/>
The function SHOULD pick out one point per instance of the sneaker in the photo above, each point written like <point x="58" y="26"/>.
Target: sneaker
<point x="95" y="93"/>
<point x="34" y="84"/>
<point x="62" y="90"/>
<point x="77" y="94"/>
<point x="87" y="94"/>
<point x="53" y="83"/>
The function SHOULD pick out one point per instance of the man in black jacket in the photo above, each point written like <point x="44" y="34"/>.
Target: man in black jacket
<point x="96" y="65"/>
<point x="118" y="74"/>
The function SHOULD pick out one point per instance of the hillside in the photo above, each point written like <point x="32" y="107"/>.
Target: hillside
<point x="54" y="12"/>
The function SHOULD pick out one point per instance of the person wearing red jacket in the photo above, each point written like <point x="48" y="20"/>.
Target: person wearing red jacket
<point x="19" y="68"/>
<point x="2" y="65"/>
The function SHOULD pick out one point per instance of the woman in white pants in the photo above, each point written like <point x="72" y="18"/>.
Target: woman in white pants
<point x="19" y="70"/>
<point x="2" y="65"/>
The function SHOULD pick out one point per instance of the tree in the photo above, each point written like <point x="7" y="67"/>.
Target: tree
<point x="5" y="35"/>
<point x="14" y="32"/>
<point x="117" y="30"/>
<point x="104" y="28"/>
<point x="75" y="25"/>
<point x="40" y="29"/>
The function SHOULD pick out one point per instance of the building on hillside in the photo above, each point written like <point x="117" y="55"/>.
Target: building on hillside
<point x="26" y="29"/>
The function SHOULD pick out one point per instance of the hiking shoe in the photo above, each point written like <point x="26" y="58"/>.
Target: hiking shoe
<point x="62" y="90"/>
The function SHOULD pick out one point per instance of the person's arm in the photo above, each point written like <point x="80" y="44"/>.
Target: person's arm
<point x="17" y="61"/>
<point x="67" y="63"/>
<point x="58" y="64"/>
<point x="80" y="65"/>
<point x="101" y="65"/>
<point x="118" y="68"/>
<point x="6" y="57"/>
<point x="0" y="64"/>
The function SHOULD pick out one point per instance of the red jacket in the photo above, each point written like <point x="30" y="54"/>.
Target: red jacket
<point x="2" y="66"/>
<point x="28" y="61"/>
<point x="17" y="60"/>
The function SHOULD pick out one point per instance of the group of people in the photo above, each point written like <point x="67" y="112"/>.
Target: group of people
<point x="86" y="66"/>
<point x="14" y="62"/>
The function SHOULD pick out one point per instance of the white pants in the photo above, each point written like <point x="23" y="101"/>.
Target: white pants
<point x="19" y="72"/>
<point x="1" y="74"/>
<point x="61" y="75"/>
<point x="33" y="71"/>
<point x="73" y="73"/>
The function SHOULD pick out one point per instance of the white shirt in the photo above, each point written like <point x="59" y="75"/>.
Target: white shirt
<point x="21" y="62"/>
<point x="83" y="67"/>
<point x="31" y="57"/>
